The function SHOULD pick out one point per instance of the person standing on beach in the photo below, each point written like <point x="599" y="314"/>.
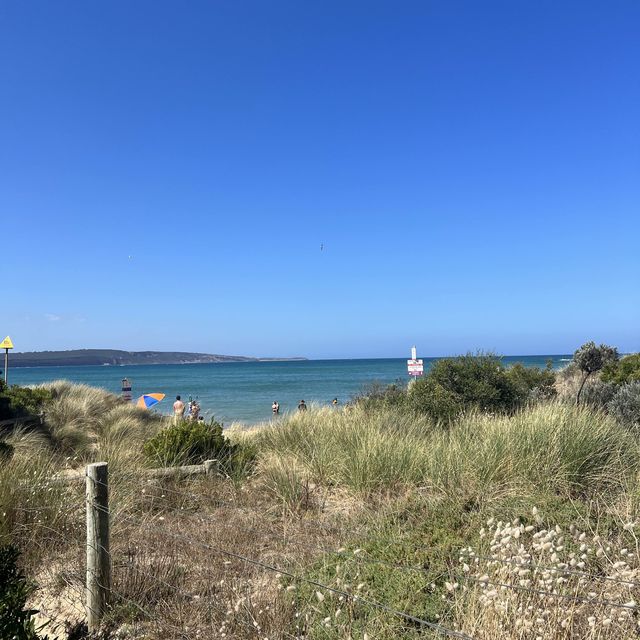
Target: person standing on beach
<point x="178" y="410"/>
<point x="302" y="405"/>
<point x="275" y="408"/>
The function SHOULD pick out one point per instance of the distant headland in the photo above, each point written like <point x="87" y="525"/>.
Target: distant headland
<point x="93" y="357"/>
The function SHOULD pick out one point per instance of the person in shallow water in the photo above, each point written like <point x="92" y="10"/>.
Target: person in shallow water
<point x="275" y="408"/>
<point x="302" y="405"/>
<point x="194" y="410"/>
<point x="334" y="402"/>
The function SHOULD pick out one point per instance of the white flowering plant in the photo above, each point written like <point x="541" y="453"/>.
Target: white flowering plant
<point x="544" y="582"/>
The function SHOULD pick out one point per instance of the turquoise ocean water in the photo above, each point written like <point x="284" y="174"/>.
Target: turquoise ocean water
<point x="244" y="391"/>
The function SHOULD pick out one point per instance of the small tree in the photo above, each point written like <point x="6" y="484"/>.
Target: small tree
<point x="590" y="359"/>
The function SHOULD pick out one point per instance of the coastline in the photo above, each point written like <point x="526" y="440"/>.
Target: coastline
<point x="244" y="391"/>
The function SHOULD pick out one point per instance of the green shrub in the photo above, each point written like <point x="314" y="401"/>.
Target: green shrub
<point x="532" y="383"/>
<point x="625" y="405"/>
<point x="598" y="394"/>
<point x="379" y="396"/>
<point x="17" y="402"/>
<point x="16" y="622"/>
<point x="430" y="397"/>
<point x="625" y="370"/>
<point x="454" y="385"/>
<point x="189" y="443"/>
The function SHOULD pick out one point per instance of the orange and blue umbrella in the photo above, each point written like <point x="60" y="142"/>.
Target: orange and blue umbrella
<point x="149" y="399"/>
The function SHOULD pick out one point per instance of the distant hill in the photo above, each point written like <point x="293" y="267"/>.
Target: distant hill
<point x="83" y="357"/>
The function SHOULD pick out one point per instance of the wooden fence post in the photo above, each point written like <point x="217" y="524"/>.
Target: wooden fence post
<point x="98" y="558"/>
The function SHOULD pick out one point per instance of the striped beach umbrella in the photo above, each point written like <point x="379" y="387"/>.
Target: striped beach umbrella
<point x="149" y="399"/>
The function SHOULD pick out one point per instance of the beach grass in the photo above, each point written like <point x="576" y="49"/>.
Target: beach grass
<point x="552" y="446"/>
<point x="378" y="502"/>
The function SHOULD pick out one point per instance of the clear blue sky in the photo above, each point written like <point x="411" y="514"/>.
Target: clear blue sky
<point x="471" y="168"/>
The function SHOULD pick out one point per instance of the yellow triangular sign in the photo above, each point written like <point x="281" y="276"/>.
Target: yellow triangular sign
<point x="6" y="343"/>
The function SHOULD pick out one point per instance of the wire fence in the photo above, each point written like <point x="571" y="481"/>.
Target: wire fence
<point x="182" y="571"/>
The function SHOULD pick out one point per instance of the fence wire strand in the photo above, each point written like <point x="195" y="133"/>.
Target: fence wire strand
<point x="530" y="565"/>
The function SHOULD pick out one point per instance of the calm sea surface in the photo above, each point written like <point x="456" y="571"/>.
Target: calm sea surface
<point x="244" y="391"/>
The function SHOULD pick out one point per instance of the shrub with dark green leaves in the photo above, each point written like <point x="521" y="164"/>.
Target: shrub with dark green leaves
<point x="622" y="371"/>
<point x="18" y="402"/>
<point x="454" y="385"/>
<point x="532" y="383"/>
<point x="379" y="396"/>
<point x="16" y="621"/>
<point x="625" y="405"/>
<point x="189" y="442"/>
<point x="430" y="397"/>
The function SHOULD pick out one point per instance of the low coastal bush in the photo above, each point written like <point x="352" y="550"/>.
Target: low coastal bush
<point x="454" y="385"/>
<point x="625" y="405"/>
<point x="598" y="394"/>
<point x="532" y="384"/>
<point x="19" y="402"/>
<point x="16" y="619"/>
<point x="379" y="396"/>
<point x="189" y="442"/>
<point x="624" y="370"/>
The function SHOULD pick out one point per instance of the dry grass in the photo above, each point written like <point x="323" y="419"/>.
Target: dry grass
<point x="164" y="586"/>
<point x="170" y="579"/>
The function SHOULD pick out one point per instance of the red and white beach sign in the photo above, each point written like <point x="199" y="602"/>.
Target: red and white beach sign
<point x="415" y="367"/>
